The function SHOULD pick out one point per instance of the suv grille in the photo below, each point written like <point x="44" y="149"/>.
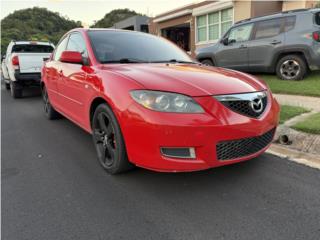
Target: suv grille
<point x="232" y="149"/>
<point x="248" y="104"/>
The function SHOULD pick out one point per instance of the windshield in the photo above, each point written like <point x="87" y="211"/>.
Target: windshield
<point x="32" y="48"/>
<point x="126" y="47"/>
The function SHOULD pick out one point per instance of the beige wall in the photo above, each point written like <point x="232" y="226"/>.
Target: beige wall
<point x="290" y="5"/>
<point x="242" y="10"/>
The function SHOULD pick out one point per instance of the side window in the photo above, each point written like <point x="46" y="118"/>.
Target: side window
<point x="241" y="33"/>
<point x="77" y="43"/>
<point x="269" y="28"/>
<point x="290" y="22"/>
<point x="317" y="18"/>
<point x="60" y="48"/>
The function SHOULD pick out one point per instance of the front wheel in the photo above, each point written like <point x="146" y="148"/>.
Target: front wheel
<point x="207" y="62"/>
<point x="108" y="140"/>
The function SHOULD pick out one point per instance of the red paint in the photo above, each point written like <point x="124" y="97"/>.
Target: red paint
<point x="72" y="88"/>
<point x="71" y="57"/>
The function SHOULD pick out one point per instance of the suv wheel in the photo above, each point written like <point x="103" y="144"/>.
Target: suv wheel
<point x="15" y="89"/>
<point x="109" y="142"/>
<point x="291" y="67"/>
<point x="207" y="62"/>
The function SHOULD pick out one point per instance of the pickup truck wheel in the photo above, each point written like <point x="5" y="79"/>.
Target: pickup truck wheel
<point x="291" y="67"/>
<point x="15" y="89"/>
<point x="108" y="140"/>
<point x="7" y="86"/>
<point x="207" y="62"/>
<point x="49" y="111"/>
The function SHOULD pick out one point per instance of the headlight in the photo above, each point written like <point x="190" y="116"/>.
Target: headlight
<point x="166" y="102"/>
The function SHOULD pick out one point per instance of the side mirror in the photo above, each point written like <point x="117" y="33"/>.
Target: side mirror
<point x="71" y="57"/>
<point x="225" y="41"/>
<point x="3" y="57"/>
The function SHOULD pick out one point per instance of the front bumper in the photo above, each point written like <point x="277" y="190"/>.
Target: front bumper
<point x="146" y="131"/>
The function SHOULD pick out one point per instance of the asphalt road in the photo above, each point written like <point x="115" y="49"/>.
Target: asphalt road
<point x="54" y="188"/>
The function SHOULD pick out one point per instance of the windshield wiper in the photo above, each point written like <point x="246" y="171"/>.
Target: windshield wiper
<point x="174" y="61"/>
<point x="126" y="60"/>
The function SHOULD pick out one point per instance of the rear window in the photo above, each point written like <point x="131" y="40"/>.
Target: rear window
<point x="290" y="22"/>
<point x="268" y="28"/>
<point x="317" y="18"/>
<point x="29" y="48"/>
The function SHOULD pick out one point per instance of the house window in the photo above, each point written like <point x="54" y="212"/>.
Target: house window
<point x="212" y="26"/>
<point x="202" y="28"/>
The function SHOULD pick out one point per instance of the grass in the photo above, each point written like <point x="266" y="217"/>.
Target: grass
<point x="288" y="112"/>
<point x="310" y="86"/>
<point x="309" y="125"/>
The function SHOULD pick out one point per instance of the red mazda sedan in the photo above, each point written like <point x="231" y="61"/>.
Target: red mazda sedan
<point x="147" y="103"/>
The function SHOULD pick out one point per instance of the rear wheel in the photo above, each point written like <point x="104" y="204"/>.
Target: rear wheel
<point x="15" y="89"/>
<point x="291" y="67"/>
<point x="108" y="140"/>
<point x="49" y="111"/>
<point x="7" y="85"/>
<point x="207" y="62"/>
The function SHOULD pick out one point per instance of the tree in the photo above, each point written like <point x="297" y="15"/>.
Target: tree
<point x="113" y="17"/>
<point x="34" y="24"/>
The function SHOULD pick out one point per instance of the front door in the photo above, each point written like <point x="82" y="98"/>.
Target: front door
<point x="72" y="83"/>
<point x="235" y="53"/>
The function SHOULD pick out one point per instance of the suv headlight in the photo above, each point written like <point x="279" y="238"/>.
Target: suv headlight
<point x="166" y="102"/>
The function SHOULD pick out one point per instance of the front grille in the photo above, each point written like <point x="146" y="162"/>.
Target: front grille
<point x="248" y="104"/>
<point x="231" y="149"/>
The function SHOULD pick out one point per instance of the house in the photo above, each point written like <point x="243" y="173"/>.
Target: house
<point x="135" y="23"/>
<point x="196" y="25"/>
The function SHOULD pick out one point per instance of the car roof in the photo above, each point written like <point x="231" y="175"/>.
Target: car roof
<point x="276" y="15"/>
<point x="22" y="42"/>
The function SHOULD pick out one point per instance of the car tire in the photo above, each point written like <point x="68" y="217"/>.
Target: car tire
<point x="49" y="111"/>
<point x="207" y="62"/>
<point x="7" y="85"/>
<point x="15" y="89"/>
<point x="291" y="67"/>
<point x="108" y="141"/>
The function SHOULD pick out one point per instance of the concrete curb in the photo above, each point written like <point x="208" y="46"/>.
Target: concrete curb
<point x="307" y="159"/>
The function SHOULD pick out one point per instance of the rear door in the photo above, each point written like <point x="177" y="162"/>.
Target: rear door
<point x="267" y="39"/>
<point x="52" y="73"/>
<point x="235" y="54"/>
<point x="72" y="83"/>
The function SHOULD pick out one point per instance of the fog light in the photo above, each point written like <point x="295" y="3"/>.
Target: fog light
<point x="178" y="152"/>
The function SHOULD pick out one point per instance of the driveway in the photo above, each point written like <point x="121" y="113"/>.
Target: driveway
<point x="54" y="188"/>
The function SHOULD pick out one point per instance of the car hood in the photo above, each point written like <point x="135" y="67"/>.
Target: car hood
<point x="188" y="79"/>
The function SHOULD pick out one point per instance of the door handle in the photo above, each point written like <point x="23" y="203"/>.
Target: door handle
<point x="275" y="42"/>
<point x="243" y="46"/>
<point x="60" y="73"/>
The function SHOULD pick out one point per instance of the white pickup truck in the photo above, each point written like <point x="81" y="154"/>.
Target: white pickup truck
<point x="21" y="66"/>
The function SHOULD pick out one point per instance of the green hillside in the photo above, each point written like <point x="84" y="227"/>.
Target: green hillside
<point x="34" y="24"/>
<point x="114" y="16"/>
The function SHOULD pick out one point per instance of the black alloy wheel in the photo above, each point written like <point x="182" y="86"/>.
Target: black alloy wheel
<point x="108" y="141"/>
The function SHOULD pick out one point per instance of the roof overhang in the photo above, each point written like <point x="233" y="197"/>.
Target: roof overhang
<point x="215" y="6"/>
<point x="173" y="15"/>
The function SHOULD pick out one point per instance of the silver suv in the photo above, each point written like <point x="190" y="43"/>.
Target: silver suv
<point x="287" y="43"/>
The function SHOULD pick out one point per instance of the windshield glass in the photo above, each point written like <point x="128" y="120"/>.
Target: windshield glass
<point x="32" y="48"/>
<point x="124" y="47"/>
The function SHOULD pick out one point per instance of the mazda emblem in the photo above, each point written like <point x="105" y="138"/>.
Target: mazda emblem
<point x="256" y="105"/>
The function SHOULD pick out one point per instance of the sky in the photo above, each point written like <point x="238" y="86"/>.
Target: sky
<point x="87" y="11"/>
